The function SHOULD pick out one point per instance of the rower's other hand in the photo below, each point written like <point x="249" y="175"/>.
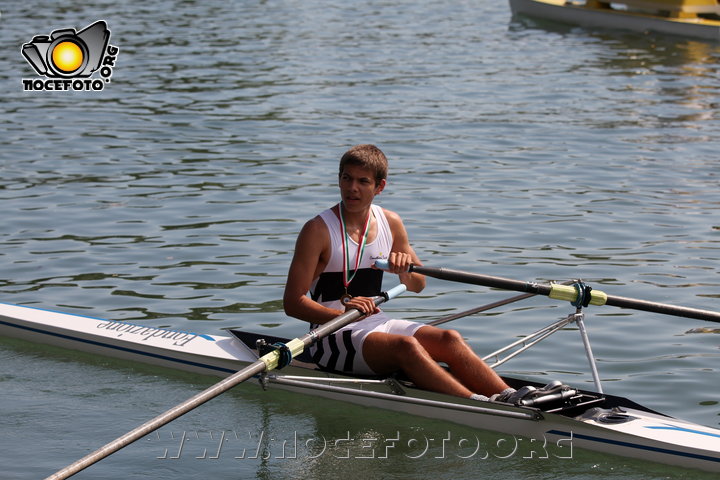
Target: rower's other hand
<point x="398" y="262"/>
<point x="365" y="305"/>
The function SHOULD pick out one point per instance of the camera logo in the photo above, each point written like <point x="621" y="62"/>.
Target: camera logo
<point x="68" y="59"/>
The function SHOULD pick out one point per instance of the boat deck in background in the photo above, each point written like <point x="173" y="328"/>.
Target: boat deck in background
<point x="577" y="13"/>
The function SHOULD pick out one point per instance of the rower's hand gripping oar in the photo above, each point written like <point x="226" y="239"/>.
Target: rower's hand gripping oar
<point x="267" y="362"/>
<point x="272" y="360"/>
<point x="577" y="294"/>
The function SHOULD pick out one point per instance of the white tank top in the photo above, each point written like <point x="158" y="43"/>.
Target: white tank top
<point x="328" y="287"/>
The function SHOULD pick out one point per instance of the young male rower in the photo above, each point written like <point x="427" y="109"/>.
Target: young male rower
<point x="334" y="261"/>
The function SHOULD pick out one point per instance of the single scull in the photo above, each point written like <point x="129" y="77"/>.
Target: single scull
<point x="568" y="417"/>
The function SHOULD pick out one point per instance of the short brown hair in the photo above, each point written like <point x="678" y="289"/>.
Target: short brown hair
<point x="366" y="156"/>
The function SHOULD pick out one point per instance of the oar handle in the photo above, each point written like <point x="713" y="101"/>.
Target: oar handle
<point x="297" y="345"/>
<point x="385" y="265"/>
<point x="394" y="292"/>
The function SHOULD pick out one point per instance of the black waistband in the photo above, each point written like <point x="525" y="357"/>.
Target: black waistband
<point x="366" y="283"/>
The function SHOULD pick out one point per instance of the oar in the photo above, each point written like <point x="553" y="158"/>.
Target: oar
<point x="275" y="359"/>
<point x="562" y="292"/>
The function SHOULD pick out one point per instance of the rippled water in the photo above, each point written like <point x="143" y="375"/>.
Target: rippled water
<point x="173" y="198"/>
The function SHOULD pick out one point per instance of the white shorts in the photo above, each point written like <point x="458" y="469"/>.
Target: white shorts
<point x="342" y="351"/>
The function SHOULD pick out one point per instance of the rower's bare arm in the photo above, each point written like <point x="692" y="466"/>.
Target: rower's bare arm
<point x="403" y="255"/>
<point x="303" y="269"/>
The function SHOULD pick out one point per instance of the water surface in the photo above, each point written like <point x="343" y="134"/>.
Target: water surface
<point x="173" y="198"/>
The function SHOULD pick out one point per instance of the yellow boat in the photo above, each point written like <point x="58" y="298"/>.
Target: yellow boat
<point x="699" y="19"/>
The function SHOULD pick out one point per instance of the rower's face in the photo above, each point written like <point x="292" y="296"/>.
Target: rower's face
<point x="358" y="187"/>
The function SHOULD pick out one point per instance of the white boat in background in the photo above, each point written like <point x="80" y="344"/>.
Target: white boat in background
<point x="698" y="19"/>
<point x="567" y="417"/>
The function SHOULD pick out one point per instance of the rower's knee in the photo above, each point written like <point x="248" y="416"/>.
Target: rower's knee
<point x="408" y="350"/>
<point x="439" y="337"/>
<point x="387" y="353"/>
<point x="449" y="346"/>
<point x="407" y="344"/>
<point x="451" y="339"/>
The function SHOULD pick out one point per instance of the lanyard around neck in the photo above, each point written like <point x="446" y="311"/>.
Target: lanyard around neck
<point x="361" y="247"/>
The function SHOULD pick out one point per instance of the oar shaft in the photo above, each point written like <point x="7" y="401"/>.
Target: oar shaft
<point x="483" y="280"/>
<point x="265" y="363"/>
<point x="563" y="292"/>
<point x="157" y="422"/>
<point x="664" y="308"/>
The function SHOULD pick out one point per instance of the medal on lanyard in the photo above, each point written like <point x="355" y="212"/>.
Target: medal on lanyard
<point x="346" y="254"/>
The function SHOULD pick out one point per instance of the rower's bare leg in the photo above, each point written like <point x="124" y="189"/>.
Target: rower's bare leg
<point x="449" y="347"/>
<point x="386" y="353"/>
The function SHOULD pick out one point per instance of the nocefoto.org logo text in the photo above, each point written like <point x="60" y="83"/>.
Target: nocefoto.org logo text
<point x="67" y="59"/>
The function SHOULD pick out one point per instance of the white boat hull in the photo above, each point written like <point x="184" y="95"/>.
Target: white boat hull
<point x="632" y="431"/>
<point x="563" y="12"/>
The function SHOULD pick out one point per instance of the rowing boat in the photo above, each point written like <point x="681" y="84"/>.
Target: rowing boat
<point x="568" y="418"/>
<point x="697" y="19"/>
